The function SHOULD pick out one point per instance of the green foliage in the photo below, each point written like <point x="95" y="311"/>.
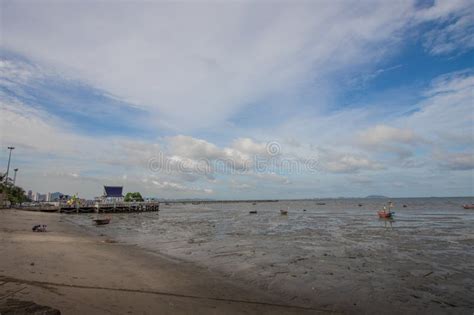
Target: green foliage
<point x="13" y="193"/>
<point x="135" y="196"/>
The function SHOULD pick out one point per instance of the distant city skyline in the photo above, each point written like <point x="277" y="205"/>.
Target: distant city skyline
<point x="43" y="197"/>
<point x="241" y="100"/>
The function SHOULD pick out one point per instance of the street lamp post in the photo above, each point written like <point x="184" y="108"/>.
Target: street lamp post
<point x="14" y="177"/>
<point x="8" y="167"/>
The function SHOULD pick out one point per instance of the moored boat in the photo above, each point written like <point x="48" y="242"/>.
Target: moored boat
<point x="68" y="210"/>
<point x="383" y="214"/>
<point x="468" y="206"/>
<point x="253" y="211"/>
<point x="49" y="210"/>
<point x="102" y="221"/>
<point x="86" y="210"/>
<point x="386" y="214"/>
<point x="283" y="212"/>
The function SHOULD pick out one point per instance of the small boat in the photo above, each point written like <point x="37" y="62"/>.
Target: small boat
<point x="49" y="210"/>
<point x="254" y="203"/>
<point x="404" y="206"/>
<point x="386" y="214"/>
<point x="320" y="203"/>
<point x="283" y="212"/>
<point x="86" y="210"/>
<point x="102" y="221"/>
<point x="360" y="205"/>
<point x="383" y="214"/>
<point x="468" y="206"/>
<point x="253" y="211"/>
<point x="68" y="210"/>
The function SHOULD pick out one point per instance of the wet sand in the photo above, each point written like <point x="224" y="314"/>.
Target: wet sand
<point x="77" y="273"/>
<point x="203" y="259"/>
<point x="336" y="256"/>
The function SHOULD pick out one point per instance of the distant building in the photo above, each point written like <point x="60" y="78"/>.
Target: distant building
<point x="48" y="197"/>
<point x="113" y="193"/>
<point x="30" y="195"/>
<point x="56" y="196"/>
<point x="39" y="197"/>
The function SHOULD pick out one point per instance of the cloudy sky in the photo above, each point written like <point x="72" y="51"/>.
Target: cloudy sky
<point x="243" y="99"/>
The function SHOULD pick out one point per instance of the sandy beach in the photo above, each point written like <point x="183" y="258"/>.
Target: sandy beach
<point x="80" y="274"/>
<point x="220" y="260"/>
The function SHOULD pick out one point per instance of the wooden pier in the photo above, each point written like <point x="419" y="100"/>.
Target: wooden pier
<point x="98" y="207"/>
<point x="110" y="207"/>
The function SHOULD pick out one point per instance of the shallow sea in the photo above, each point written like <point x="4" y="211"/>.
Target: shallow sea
<point x="319" y="249"/>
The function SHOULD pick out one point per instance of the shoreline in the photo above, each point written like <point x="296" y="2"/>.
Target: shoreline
<point x="71" y="270"/>
<point x="357" y="270"/>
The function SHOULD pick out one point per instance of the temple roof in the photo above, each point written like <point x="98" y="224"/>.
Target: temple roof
<point x="113" y="191"/>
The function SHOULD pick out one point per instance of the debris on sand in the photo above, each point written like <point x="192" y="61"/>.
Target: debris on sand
<point x="429" y="273"/>
<point x="39" y="228"/>
<point x="17" y="307"/>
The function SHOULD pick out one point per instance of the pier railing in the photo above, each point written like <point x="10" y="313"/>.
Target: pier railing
<point x="90" y="206"/>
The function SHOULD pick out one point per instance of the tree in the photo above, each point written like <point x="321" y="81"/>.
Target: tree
<point x="13" y="193"/>
<point x="133" y="196"/>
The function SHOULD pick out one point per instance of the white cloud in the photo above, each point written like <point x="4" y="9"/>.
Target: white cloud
<point x="442" y="10"/>
<point x="194" y="154"/>
<point x="14" y="73"/>
<point x="33" y="129"/>
<point x="383" y="138"/>
<point x="196" y="64"/>
<point x="272" y="178"/>
<point x="250" y="147"/>
<point x="350" y="164"/>
<point x="237" y="185"/>
<point x="446" y="116"/>
<point x="454" y="30"/>
<point x="452" y="38"/>
<point x="174" y="187"/>
<point x="456" y="161"/>
<point x="339" y="162"/>
<point x="189" y="147"/>
<point x="382" y="134"/>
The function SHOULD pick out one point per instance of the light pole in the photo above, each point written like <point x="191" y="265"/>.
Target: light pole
<point x="14" y="176"/>
<point x="8" y="167"/>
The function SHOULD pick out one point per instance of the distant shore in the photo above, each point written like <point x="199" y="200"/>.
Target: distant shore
<point x="77" y="273"/>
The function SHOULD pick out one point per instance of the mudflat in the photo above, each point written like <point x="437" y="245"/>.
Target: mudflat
<point x="76" y="273"/>
<point x="346" y="266"/>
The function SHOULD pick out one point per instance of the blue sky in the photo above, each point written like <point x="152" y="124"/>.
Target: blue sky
<point x="184" y="100"/>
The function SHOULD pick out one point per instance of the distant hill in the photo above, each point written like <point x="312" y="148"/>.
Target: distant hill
<point x="376" y="197"/>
